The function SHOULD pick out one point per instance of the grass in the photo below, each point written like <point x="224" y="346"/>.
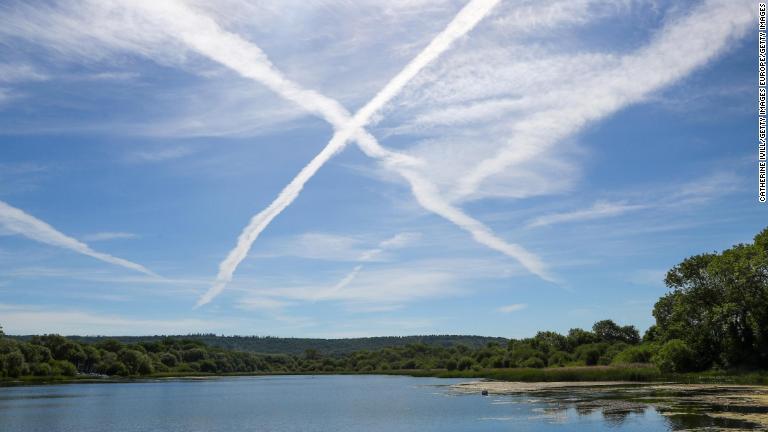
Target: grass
<point x="578" y="373"/>
<point x="723" y="377"/>
<point x="634" y="373"/>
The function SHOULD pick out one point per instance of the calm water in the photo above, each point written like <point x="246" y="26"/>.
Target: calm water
<point x="297" y="403"/>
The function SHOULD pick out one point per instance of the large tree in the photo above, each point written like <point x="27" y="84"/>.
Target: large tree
<point x="719" y="305"/>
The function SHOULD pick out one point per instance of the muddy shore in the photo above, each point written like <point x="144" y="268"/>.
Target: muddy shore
<point x="693" y="407"/>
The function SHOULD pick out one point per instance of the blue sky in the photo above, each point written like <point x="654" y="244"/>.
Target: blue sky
<point x="542" y="170"/>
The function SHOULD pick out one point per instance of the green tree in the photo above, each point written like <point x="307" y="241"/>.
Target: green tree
<point x="577" y="337"/>
<point x="169" y="360"/>
<point x="590" y="353"/>
<point x="533" y="362"/>
<point x="609" y="331"/>
<point x="135" y="361"/>
<point x="549" y="342"/>
<point x="635" y="354"/>
<point x="717" y="305"/>
<point x="559" y="358"/>
<point x="13" y="364"/>
<point x="674" y="356"/>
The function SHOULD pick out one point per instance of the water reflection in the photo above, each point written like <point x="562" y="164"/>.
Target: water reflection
<point x="357" y="403"/>
<point x="681" y="408"/>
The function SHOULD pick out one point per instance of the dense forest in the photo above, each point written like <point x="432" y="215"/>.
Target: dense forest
<point x="715" y="316"/>
<point x="297" y="346"/>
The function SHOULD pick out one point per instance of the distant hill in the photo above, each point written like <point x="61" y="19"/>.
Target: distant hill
<point x="296" y="346"/>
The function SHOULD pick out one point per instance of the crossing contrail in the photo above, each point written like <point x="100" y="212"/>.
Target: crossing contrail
<point x="203" y="35"/>
<point x="19" y="222"/>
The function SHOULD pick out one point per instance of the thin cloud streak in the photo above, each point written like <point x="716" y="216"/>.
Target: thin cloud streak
<point x="396" y="241"/>
<point x="104" y="236"/>
<point x="512" y="308"/>
<point x="17" y="221"/>
<point x="600" y="209"/>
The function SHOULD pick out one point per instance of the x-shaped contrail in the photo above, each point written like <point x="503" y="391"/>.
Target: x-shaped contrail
<point x="203" y="35"/>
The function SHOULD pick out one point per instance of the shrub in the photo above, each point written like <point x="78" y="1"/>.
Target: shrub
<point x="590" y="353"/>
<point x="635" y="354"/>
<point x="136" y="361"/>
<point x="522" y="352"/>
<point x="533" y="362"/>
<point x="208" y="366"/>
<point x="559" y="358"/>
<point x="185" y="367"/>
<point x="193" y="355"/>
<point x="451" y="364"/>
<point x="63" y="367"/>
<point x="497" y="362"/>
<point x="169" y="360"/>
<point x="42" y="369"/>
<point x="13" y="363"/>
<point x="465" y="363"/>
<point x="611" y="352"/>
<point x="674" y="356"/>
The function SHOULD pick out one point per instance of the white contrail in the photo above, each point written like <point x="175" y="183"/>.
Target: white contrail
<point x="202" y="34"/>
<point x="17" y="221"/>
<point x="343" y="283"/>
<point x="672" y="55"/>
<point x="396" y="241"/>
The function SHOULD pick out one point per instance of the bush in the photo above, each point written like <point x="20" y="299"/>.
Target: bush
<point x="13" y="363"/>
<point x="559" y="358"/>
<point x="208" y="366"/>
<point x="465" y="363"/>
<point x="522" y="352"/>
<point x="611" y="352"/>
<point x="533" y="362"/>
<point x="169" y="360"/>
<point x="451" y="364"/>
<point x="635" y="354"/>
<point x="193" y="355"/>
<point x="63" y="368"/>
<point x="496" y="362"/>
<point x="590" y="353"/>
<point x="674" y="356"/>
<point x="136" y="361"/>
<point x="185" y="367"/>
<point x="42" y="369"/>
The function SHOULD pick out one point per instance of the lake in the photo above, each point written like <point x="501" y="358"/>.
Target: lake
<point x="307" y="403"/>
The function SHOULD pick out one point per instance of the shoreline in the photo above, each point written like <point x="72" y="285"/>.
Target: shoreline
<point x="747" y="404"/>
<point x="734" y="402"/>
<point x="535" y="378"/>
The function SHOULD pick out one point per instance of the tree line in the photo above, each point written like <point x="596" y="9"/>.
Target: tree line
<point x="297" y="346"/>
<point x="715" y="316"/>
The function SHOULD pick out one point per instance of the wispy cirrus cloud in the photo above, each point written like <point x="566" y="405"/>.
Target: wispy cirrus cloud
<point x="109" y="235"/>
<point x="29" y="319"/>
<point x="484" y="116"/>
<point x="515" y="307"/>
<point x="161" y="154"/>
<point x="18" y="222"/>
<point x="663" y="61"/>
<point x="319" y="245"/>
<point x="16" y="73"/>
<point x="20" y="72"/>
<point x="600" y="209"/>
<point x="380" y="288"/>
<point x="397" y="241"/>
